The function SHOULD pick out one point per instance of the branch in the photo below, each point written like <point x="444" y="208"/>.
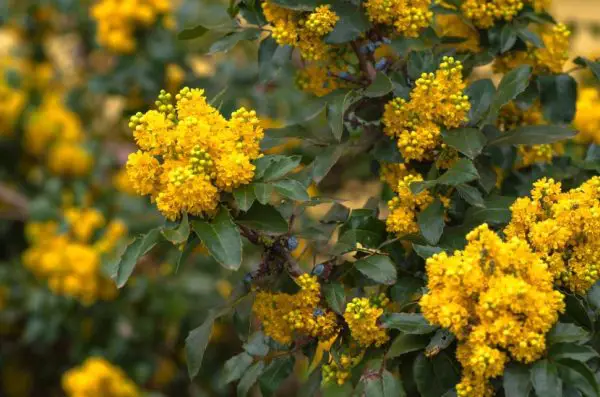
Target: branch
<point x="365" y="65"/>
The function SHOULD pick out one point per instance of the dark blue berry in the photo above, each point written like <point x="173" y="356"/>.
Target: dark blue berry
<point x="319" y="269"/>
<point x="292" y="243"/>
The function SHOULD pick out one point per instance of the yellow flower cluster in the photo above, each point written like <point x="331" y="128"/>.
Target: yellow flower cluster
<point x="339" y="372"/>
<point x="511" y="117"/>
<point x="484" y="13"/>
<point x="437" y="100"/>
<point x="98" y="377"/>
<point x="55" y="133"/>
<point x="70" y="261"/>
<point x="406" y="17"/>
<point x="497" y="298"/>
<point x="304" y="30"/>
<point x="361" y="315"/>
<point x="393" y="173"/>
<point x="13" y="97"/>
<point x="550" y="59"/>
<point x="564" y="229"/>
<point x="404" y="207"/>
<point x="119" y="20"/>
<point x="319" y="79"/>
<point x="189" y="153"/>
<point x="587" y="118"/>
<point x="282" y="315"/>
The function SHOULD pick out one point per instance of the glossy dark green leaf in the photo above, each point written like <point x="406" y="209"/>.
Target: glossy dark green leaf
<point x="409" y="323"/>
<point x="249" y="378"/>
<point x="263" y="192"/>
<point x="558" y="96"/>
<point x="335" y="295"/>
<point x="229" y="41"/>
<point x="195" y="345"/>
<point x="513" y="83"/>
<point x="462" y="171"/>
<point x="384" y="385"/>
<point x="471" y="195"/>
<point x="266" y="51"/>
<point x="530" y="36"/>
<point x="326" y="160"/>
<point x="426" y="251"/>
<point x="265" y="218"/>
<point x="291" y="189"/>
<point x="222" y="239"/>
<point x="352" y="24"/>
<point x="593" y="295"/>
<point x="433" y="377"/>
<point x="179" y="234"/>
<point x="481" y="94"/>
<point x="407" y="289"/>
<point x="508" y="38"/>
<point x="297" y="5"/>
<point x="573" y="351"/>
<point x="468" y="141"/>
<point x="336" y="214"/>
<point x="244" y="197"/>
<point x="406" y="343"/>
<point x="192" y="33"/>
<point x="336" y="110"/>
<point x="441" y="340"/>
<point x="545" y="380"/>
<point x="431" y="222"/>
<point x="236" y="366"/>
<point x="420" y="62"/>
<point x="274" y="374"/>
<point x="517" y="381"/>
<point x="257" y="345"/>
<point x="565" y="333"/>
<point x="378" y="268"/>
<point x="272" y="167"/>
<point x="579" y="375"/>
<point x="381" y="86"/>
<point x="123" y="268"/>
<point x="594" y="66"/>
<point x="495" y="211"/>
<point x="534" y="135"/>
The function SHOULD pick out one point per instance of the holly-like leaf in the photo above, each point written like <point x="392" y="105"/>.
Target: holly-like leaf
<point x="463" y="171"/>
<point x="222" y="239"/>
<point x="480" y="93"/>
<point x="573" y="351"/>
<point x="468" y="141"/>
<point x="244" y="197"/>
<point x="122" y="268"/>
<point x="534" y="135"/>
<point x="431" y="222"/>
<point x="352" y="23"/>
<point x="516" y="380"/>
<point x="265" y="218"/>
<point x="594" y="66"/>
<point x="179" y="234"/>
<point x="471" y="195"/>
<point x="567" y="332"/>
<point x="291" y="189"/>
<point x="335" y="295"/>
<point x="513" y="83"/>
<point x="336" y="111"/>
<point x="276" y="372"/>
<point x="195" y="345"/>
<point x="579" y="375"/>
<point x="409" y="323"/>
<point x="236" y="366"/>
<point x="229" y="41"/>
<point x="545" y="379"/>
<point x="378" y="268"/>
<point x="406" y="343"/>
<point x="250" y="378"/>
<point x="381" y="86"/>
<point x="558" y="96"/>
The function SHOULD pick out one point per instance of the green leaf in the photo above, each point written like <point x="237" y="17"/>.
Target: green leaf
<point x="471" y="195"/>
<point x="386" y="150"/>
<point x="431" y="222"/>
<point x="529" y="36"/>
<point x="297" y="5"/>
<point x="420" y="62"/>
<point x="180" y="234"/>
<point x="544" y="376"/>
<point x="462" y="171"/>
<point x="534" y="135"/>
<point x="351" y="25"/>
<point x="593" y="295"/>
<point x="558" y="96"/>
<point x="222" y="238"/>
<point x="579" y="375"/>
<point x="468" y="141"/>
<point x="433" y="377"/>
<point x="496" y="211"/>
<point x="384" y="385"/>
<point x="273" y="167"/>
<point x="581" y="353"/>
<point x="236" y="366"/>
<point x="332" y="389"/>
<point x="513" y="83"/>
<point x="480" y="93"/>
<point x="378" y="268"/>
<point x="406" y="290"/>
<point x="266" y="51"/>
<point x="409" y="323"/>
<point x="594" y="66"/>
<point x="336" y="110"/>
<point x="441" y="340"/>
<point x="195" y="345"/>
<point x="229" y="41"/>
<point x="336" y="214"/>
<point x="335" y="295"/>
<point x="565" y="333"/>
<point x="381" y="86"/>
<point x="426" y="251"/>
<point x="508" y="38"/>
<point x="263" y="191"/>
<point x="123" y="268"/>
<point x="406" y="343"/>
<point x="244" y="197"/>
<point x="325" y="161"/>
<point x="192" y="33"/>
<point x="276" y="372"/>
<point x="265" y="218"/>
<point x="249" y="378"/>
<point x="291" y="189"/>
<point x="257" y="345"/>
<point x="516" y="380"/>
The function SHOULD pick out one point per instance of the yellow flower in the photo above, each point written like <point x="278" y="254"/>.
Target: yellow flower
<point x="484" y="13"/>
<point x="497" y="297"/>
<point x="587" y="118"/>
<point x="190" y="153"/>
<point x="437" y="100"/>
<point x="451" y="25"/>
<point x="407" y="17"/>
<point x="68" y="159"/>
<point x="361" y="315"/>
<point x="98" y="377"/>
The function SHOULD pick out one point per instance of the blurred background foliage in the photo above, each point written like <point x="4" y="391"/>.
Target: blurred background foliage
<point x="56" y="76"/>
